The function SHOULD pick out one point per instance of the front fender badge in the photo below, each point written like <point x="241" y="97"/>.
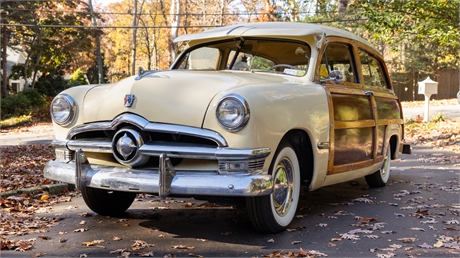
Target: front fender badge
<point x="129" y="100"/>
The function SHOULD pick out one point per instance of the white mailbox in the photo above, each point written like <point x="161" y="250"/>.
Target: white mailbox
<point x="428" y="86"/>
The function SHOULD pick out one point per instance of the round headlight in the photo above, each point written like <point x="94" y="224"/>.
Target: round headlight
<point x="63" y="109"/>
<point x="232" y="112"/>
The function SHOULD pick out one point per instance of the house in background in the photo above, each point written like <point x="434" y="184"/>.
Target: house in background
<point x="14" y="57"/>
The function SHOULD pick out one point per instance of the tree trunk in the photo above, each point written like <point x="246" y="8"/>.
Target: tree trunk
<point x="174" y="12"/>
<point x="100" y="67"/>
<point x="133" y="55"/>
<point x="4" y="90"/>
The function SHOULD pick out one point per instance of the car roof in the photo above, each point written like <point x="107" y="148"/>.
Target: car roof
<point x="270" y="29"/>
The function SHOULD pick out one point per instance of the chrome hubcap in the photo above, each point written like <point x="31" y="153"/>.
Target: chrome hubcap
<point x="283" y="187"/>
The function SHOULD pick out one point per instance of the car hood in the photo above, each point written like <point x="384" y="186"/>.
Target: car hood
<point x="173" y="97"/>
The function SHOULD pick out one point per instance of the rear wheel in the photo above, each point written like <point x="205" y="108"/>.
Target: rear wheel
<point x="107" y="203"/>
<point x="274" y="212"/>
<point x="381" y="176"/>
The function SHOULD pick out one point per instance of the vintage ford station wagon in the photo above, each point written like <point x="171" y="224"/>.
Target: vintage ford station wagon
<point x="251" y="111"/>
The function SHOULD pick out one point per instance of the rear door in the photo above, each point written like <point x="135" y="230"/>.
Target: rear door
<point x="376" y="83"/>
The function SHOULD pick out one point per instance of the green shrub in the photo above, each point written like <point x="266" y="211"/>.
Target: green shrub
<point x="77" y="78"/>
<point x="22" y="103"/>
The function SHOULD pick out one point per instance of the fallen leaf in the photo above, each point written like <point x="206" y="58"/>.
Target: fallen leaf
<point x="80" y="230"/>
<point x="388" y="232"/>
<point x="425" y="246"/>
<point x="350" y="236"/>
<point x="189" y="247"/>
<point x="418" y="229"/>
<point x="271" y="240"/>
<point x="145" y="254"/>
<point x="365" y="200"/>
<point x="44" y="197"/>
<point x="118" y="251"/>
<point x="408" y="239"/>
<point x="451" y="222"/>
<point x="295" y="242"/>
<point x="438" y="244"/>
<point x="367" y="220"/>
<point x="387" y="255"/>
<point x="93" y="243"/>
<point x="44" y="237"/>
<point x="194" y="255"/>
<point x="139" y="244"/>
<point x="372" y="236"/>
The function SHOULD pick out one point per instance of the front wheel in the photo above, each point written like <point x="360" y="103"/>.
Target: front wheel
<point x="107" y="203"/>
<point x="381" y="176"/>
<point x="274" y="212"/>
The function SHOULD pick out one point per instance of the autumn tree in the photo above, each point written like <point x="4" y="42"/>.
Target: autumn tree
<point x="424" y="33"/>
<point x="54" y="35"/>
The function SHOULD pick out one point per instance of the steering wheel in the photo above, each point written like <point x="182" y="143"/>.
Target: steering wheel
<point x="282" y="65"/>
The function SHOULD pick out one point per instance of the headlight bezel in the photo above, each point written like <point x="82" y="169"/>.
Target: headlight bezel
<point x="71" y="110"/>
<point x="243" y="117"/>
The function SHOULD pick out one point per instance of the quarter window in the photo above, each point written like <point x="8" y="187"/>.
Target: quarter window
<point x="373" y="74"/>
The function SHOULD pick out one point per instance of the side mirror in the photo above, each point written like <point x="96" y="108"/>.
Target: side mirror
<point x="336" y="76"/>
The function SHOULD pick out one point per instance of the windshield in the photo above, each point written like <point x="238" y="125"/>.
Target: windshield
<point x="261" y="55"/>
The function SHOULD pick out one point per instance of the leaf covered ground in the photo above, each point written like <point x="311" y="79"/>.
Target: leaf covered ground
<point x="440" y="133"/>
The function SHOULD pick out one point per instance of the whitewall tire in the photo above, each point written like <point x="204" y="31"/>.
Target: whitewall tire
<point x="273" y="213"/>
<point x="381" y="176"/>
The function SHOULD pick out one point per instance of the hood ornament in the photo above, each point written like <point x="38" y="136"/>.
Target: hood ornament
<point x="129" y="100"/>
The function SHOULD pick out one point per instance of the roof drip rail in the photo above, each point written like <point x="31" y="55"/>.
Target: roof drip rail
<point x="230" y="31"/>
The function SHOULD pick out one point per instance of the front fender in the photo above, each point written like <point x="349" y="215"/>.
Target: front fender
<point x="275" y="110"/>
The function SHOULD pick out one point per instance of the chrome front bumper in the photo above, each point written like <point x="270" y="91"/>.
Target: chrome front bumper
<point x="163" y="181"/>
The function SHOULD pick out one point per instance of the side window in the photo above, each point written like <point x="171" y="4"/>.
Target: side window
<point x="373" y="73"/>
<point x="337" y="56"/>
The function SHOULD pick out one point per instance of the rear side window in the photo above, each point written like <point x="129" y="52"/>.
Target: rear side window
<point x="372" y="69"/>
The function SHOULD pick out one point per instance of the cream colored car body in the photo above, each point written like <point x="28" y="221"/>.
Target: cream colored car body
<point x="279" y="103"/>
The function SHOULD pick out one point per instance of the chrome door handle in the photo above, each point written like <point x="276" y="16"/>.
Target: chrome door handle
<point x="369" y="93"/>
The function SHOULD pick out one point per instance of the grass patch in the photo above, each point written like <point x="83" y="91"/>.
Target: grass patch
<point x="15" y="121"/>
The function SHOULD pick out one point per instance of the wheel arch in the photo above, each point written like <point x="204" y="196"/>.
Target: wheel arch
<point x="302" y="144"/>
<point x="394" y="143"/>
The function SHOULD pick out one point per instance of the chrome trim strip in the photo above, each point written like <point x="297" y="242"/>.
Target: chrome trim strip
<point x="323" y="145"/>
<point x="102" y="146"/>
<point x="146" y="181"/>
<point x="186" y="130"/>
<point x="170" y="149"/>
<point x="143" y="124"/>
